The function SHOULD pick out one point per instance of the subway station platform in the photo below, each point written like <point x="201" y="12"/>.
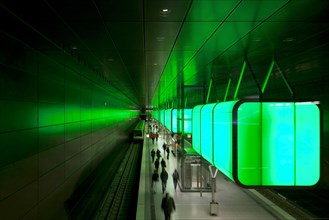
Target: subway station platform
<point x="234" y="202"/>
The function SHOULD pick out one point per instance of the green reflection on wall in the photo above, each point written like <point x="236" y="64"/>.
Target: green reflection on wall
<point x="51" y="115"/>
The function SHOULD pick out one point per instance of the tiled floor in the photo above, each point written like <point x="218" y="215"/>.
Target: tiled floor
<point x="235" y="203"/>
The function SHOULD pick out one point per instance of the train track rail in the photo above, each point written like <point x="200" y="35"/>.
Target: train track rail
<point x="118" y="199"/>
<point x="303" y="204"/>
<point x="312" y="201"/>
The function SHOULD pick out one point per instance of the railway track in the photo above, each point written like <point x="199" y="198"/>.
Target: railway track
<point x="313" y="201"/>
<point x="120" y="197"/>
<point x="301" y="203"/>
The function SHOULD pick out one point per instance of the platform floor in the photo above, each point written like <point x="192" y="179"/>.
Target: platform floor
<point x="235" y="203"/>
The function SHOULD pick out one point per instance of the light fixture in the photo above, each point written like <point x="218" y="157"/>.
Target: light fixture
<point x="288" y="39"/>
<point x="165" y="12"/>
<point x="160" y="39"/>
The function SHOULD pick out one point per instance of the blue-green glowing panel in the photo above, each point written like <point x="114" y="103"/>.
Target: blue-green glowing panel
<point x="277" y="143"/>
<point x="207" y="132"/>
<point x="174" y="117"/>
<point x="187" y="121"/>
<point x="261" y="144"/>
<point x="307" y="143"/>
<point x="223" y="144"/>
<point x="196" y="128"/>
<point x="177" y="124"/>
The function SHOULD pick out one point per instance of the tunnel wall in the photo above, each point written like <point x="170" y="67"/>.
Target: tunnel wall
<point x="57" y="124"/>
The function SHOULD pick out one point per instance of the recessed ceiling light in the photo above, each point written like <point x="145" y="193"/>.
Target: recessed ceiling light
<point x="160" y="38"/>
<point x="288" y="39"/>
<point x="74" y="47"/>
<point x="165" y="11"/>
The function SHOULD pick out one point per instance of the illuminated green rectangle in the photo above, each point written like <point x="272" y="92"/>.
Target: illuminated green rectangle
<point x="307" y="143"/>
<point x="207" y="132"/>
<point x="188" y="121"/>
<point x="277" y="143"/>
<point x="223" y="144"/>
<point x="260" y="144"/>
<point x="249" y="144"/>
<point x="174" y="119"/>
<point x="177" y="124"/>
<point x="196" y="128"/>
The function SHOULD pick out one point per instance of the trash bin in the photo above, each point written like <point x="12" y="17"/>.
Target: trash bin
<point x="214" y="208"/>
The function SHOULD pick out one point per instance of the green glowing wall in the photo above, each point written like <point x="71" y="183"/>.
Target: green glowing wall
<point x="59" y="121"/>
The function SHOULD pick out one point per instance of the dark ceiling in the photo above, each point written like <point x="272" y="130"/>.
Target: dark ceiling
<point x="142" y="50"/>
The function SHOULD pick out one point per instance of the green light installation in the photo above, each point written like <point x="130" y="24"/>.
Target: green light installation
<point x="177" y="124"/>
<point x="196" y="128"/>
<point x="174" y="120"/>
<point x="207" y="132"/>
<point x="266" y="143"/>
<point x="223" y="145"/>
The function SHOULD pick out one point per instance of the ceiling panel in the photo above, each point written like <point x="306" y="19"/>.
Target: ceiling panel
<point x="211" y="10"/>
<point x="141" y="50"/>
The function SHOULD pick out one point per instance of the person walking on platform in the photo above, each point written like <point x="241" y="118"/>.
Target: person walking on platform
<point x="152" y="154"/>
<point x="164" y="146"/>
<point x="155" y="179"/>
<point x="156" y="137"/>
<point x="157" y="133"/>
<point x="168" y="152"/>
<point x="168" y="206"/>
<point x="175" y="178"/>
<point x="158" y="154"/>
<point x="164" y="178"/>
<point x="163" y="163"/>
<point x="156" y="164"/>
<point x="153" y="137"/>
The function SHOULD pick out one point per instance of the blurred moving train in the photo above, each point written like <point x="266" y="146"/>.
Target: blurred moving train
<point x="138" y="133"/>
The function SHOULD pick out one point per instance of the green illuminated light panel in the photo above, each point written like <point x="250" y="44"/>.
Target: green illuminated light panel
<point x="207" y="132"/>
<point x="223" y="145"/>
<point x="260" y="143"/>
<point x="174" y="120"/>
<point x="177" y="124"/>
<point x="196" y="128"/>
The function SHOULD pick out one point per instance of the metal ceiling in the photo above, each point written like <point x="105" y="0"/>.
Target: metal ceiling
<point x="141" y="50"/>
